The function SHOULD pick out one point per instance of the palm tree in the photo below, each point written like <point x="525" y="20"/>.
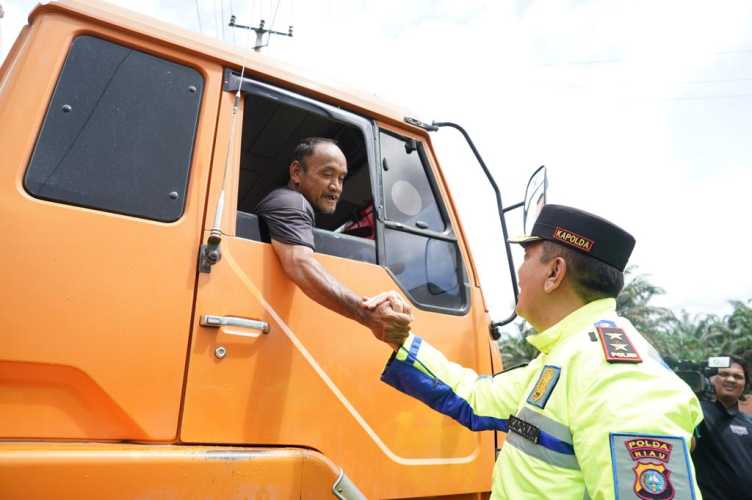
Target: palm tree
<point x="515" y="349"/>
<point x="633" y="303"/>
<point x="680" y="338"/>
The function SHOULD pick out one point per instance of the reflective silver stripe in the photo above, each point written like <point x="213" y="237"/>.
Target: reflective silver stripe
<point x="544" y="423"/>
<point x="535" y="450"/>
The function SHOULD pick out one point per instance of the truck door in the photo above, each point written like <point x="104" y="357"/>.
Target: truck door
<point x="102" y="189"/>
<point x="268" y="366"/>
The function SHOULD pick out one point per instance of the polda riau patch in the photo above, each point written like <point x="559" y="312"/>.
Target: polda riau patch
<point x="650" y="467"/>
<point x="616" y="345"/>
<point x="545" y="385"/>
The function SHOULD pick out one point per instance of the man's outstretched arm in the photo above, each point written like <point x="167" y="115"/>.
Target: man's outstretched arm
<point x="305" y="271"/>
<point x="421" y="371"/>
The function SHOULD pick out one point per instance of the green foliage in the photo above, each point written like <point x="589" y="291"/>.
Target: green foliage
<point x="633" y="303"/>
<point x="682" y="336"/>
<point x="515" y="350"/>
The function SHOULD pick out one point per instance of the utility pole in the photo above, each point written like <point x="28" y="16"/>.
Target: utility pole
<point x="2" y="15"/>
<point x="260" y="31"/>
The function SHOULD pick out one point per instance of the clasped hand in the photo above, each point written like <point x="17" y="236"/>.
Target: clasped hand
<point x="388" y="316"/>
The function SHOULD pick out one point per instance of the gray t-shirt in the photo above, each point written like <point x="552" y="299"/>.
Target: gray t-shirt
<point x="289" y="217"/>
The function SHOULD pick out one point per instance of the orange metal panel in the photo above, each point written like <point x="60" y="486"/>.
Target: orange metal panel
<point x="124" y="471"/>
<point x="96" y="307"/>
<point x="313" y="380"/>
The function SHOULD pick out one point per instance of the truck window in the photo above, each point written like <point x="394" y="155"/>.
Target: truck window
<point x="274" y="122"/>
<point x="420" y="248"/>
<point x="415" y="241"/>
<point x="118" y="133"/>
<point x="408" y="197"/>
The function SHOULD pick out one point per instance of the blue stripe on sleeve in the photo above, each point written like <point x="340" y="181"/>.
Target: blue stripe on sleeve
<point x="412" y="356"/>
<point x="555" y="444"/>
<point x="404" y="377"/>
<point x="436" y="394"/>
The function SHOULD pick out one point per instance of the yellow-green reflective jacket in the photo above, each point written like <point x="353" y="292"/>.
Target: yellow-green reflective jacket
<point x="578" y="425"/>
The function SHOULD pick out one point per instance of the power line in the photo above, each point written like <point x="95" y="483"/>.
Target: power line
<point x="708" y="97"/>
<point x="2" y="15"/>
<point x="710" y="82"/>
<point x="660" y="98"/>
<point x="217" y="20"/>
<point x="232" y="13"/>
<point x="274" y="19"/>
<point x="198" y="16"/>
<point x="222" y="17"/>
<point x="616" y="60"/>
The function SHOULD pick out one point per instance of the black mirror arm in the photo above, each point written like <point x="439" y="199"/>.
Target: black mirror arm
<point x="512" y="207"/>
<point x="500" y="208"/>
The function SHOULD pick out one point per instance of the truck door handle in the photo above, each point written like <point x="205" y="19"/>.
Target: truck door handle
<point x="213" y="321"/>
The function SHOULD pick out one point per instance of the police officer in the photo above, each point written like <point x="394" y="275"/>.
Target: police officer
<point x="597" y="414"/>
<point x="723" y="455"/>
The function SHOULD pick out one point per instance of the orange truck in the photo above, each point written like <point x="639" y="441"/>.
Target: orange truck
<point x="152" y="346"/>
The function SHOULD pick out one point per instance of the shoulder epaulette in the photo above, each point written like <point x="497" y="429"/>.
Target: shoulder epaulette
<point x="617" y="348"/>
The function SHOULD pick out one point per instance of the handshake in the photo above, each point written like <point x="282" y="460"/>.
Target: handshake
<point x="388" y="316"/>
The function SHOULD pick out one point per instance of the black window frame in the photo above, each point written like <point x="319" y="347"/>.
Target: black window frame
<point x="182" y="184"/>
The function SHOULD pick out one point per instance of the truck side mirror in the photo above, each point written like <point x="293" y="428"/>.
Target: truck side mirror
<point x="535" y="198"/>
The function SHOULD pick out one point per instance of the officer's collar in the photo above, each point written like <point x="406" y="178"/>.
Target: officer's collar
<point x="573" y="323"/>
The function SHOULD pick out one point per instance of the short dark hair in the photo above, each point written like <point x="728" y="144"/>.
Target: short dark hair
<point x="590" y="278"/>
<point x="306" y="147"/>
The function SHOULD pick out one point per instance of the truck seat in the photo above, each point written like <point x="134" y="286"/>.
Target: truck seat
<point x="338" y="244"/>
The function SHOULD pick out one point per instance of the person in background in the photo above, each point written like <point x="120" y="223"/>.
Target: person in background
<point x="723" y="450"/>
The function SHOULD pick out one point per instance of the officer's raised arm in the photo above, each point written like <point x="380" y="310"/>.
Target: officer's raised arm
<point x="478" y="402"/>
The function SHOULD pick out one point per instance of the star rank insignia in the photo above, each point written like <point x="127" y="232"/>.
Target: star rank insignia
<point x="616" y="345"/>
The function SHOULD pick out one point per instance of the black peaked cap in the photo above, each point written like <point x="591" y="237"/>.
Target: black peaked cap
<point x="583" y="231"/>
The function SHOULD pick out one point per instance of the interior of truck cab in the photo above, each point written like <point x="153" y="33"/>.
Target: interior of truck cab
<point x="271" y="130"/>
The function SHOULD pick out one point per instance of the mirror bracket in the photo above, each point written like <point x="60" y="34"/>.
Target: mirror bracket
<point x="513" y="207"/>
<point x="499" y="205"/>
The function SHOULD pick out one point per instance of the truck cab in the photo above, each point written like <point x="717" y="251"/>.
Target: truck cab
<point x="131" y="364"/>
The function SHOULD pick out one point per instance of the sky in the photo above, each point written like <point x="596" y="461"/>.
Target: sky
<point x="640" y="111"/>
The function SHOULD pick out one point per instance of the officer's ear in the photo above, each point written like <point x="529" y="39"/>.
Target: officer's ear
<point x="557" y="271"/>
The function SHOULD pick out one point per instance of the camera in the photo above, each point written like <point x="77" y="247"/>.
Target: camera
<point x="697" y="375"/>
